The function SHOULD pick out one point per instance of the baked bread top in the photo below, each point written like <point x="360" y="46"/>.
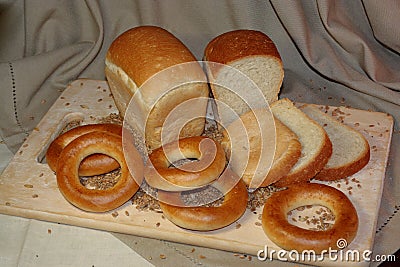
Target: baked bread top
<point x="146" y="50"/>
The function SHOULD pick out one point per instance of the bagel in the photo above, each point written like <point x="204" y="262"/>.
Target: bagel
<point x="208" y="218"/>
<point x="290" y="237"/>
<point x="211" y="163"/>
<point x="95" y="164"/>
<point x="94" y="200"/>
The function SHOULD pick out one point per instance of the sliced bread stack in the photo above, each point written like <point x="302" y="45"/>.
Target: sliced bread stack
<point x="315" y="143"/>
<point x="351" y="151"/>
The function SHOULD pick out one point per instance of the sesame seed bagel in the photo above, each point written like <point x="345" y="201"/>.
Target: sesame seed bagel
<point x="290" y="237"/>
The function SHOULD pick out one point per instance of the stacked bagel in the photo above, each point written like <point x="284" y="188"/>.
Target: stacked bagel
<point x="266" y="140"/>
<point x="86" y="151"/>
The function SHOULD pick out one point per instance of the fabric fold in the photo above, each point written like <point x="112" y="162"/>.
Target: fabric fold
<point x="336" y="40"/>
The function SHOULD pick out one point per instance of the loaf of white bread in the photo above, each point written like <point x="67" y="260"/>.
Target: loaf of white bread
<point x="155" y="70"/>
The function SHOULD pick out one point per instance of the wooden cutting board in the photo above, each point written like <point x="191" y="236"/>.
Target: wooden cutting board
<point x="28" y="187"/>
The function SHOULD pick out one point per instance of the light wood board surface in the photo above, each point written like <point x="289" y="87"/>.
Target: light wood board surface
<point x="28" y="187"/>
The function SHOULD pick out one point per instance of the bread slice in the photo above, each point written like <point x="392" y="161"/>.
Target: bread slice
<point x="243" y="53"/>
<point x="284" y="150"/>
<point x="350" y="149"/>
<point x="151" y="67"/>
<point x="316" y="145"/>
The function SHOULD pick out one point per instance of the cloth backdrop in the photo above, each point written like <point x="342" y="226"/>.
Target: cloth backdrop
<point x="334" y="52"/>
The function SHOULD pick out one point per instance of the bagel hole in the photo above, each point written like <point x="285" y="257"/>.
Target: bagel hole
<point x="213" y="130"/>
<point x="102" y="181"/>
<point x="312" y="217"/>
<point x="206" y="197"/>
<point x="181" y="162"/>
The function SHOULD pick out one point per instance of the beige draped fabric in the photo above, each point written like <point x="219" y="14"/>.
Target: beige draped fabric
<point x="334" y="52"/>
